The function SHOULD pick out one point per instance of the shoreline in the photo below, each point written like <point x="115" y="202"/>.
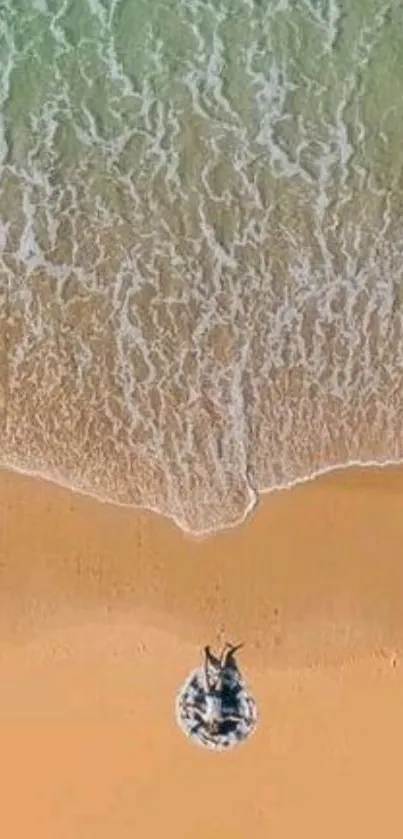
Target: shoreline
<point x="292" y="577"/>
<point x="259" y="495"/>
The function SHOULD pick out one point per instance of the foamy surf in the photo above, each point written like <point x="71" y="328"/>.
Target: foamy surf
<point x="201" y="248"/>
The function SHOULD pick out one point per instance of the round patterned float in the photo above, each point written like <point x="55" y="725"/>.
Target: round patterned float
<point x="238" y="711"/>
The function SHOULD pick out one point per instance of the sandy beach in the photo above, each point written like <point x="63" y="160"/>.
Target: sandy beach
<point x="104" y="611"/>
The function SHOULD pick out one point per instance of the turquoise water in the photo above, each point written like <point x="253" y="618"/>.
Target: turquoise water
<point x="201" y="246"/>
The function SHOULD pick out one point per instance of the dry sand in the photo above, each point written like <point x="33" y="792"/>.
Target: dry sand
<point x="103" y="611"/>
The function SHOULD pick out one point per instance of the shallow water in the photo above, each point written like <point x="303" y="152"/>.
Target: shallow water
<point x="201" y="246"/>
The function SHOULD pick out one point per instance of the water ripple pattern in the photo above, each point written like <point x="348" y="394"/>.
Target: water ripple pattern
<point x="201" y="246"/>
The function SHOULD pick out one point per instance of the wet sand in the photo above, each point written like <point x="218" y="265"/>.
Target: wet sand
<point x="104" y="610"/>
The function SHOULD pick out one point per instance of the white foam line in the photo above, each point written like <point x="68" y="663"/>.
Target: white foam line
<point x="255" y="499"/>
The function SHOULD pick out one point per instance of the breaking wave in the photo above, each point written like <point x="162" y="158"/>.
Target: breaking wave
<point x="201" y="246"/>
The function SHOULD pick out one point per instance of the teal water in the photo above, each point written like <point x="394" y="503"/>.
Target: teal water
<point x="201" y="246"/>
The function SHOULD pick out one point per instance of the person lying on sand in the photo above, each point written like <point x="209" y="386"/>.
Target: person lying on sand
<point x="215" y="670"/>
<point x="214" y="706"/>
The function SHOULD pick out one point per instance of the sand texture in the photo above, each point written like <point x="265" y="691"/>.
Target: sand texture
<point x="103" y="613"/>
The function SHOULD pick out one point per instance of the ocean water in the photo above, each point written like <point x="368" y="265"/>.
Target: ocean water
<point x="201" y="246"/>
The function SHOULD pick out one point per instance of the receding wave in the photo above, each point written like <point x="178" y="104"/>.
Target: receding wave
<point x="201" y="246"/>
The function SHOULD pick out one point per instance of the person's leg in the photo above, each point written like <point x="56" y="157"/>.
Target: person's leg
<point x="229" y="660"/>
<point x="210" y="659"/>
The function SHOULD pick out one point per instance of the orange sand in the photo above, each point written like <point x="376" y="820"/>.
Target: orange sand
<point x="103" y="611"/>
